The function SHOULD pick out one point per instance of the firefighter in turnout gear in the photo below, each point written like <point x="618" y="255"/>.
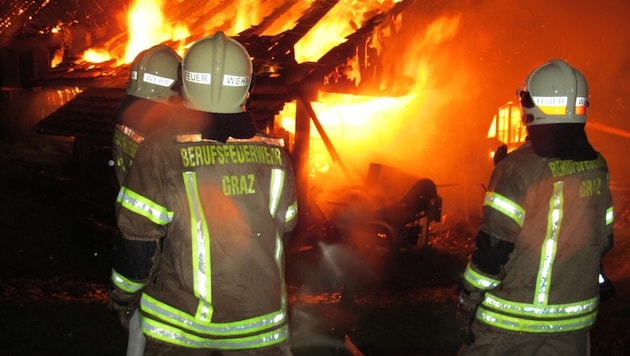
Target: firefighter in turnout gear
<point x="151" y="102"/>
<point x="531" y="284"/>
<point x="217" y="201"/>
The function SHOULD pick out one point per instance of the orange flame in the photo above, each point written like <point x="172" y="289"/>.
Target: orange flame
<point x="147" y="27"/>
<point x="356" y="125"/>
<point x="365" y="128"/>
<point x="362" y="128"/>
<point x="330" y="31"/>
<point x="93" y="55"/>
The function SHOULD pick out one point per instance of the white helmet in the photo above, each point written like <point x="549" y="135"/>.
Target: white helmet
<point x="154" y="74"/>
<point x="217" y="75"/>
<point x="554" y="93"/>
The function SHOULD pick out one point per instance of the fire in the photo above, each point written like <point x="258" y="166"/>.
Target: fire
<point x="245" y="19"/>
<point x="341" y="21"/>
<point x="365" y="128"/>
<point x="148" y="27"/>
<point x="357" y="126"/>
<point x="57" y="58"/>
<point x="507" y="128"/>
<point x="417" y="80"/>
<point x="93" y="55"/>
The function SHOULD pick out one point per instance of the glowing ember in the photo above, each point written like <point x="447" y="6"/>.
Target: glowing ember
<point x="96" y="55"/>
<point x="57" y="58"/>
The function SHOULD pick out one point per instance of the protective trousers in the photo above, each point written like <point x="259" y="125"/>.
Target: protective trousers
<point x="491" y="341"/>
<point x="155" y="348"/>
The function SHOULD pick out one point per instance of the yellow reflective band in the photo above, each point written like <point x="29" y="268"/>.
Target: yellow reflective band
<point x="185" y="321"/>
<point x="144" y="207"/>
<point x="505" y="206"/>
<point x="125" y="283"/>
<point x="550" y="244"/>
<point x="279" y="258"/>
<point x="478" y="280"/>
<point x="200" y="242"/>
<point x="541" y="311"/>
<point x="131" y="133"/>
<point x="610" y="216"/>
<point x="292" y="212"/>
<point x="518" y="324"/>
<point x="173" y="335"/>
<point x="275" y="190"/>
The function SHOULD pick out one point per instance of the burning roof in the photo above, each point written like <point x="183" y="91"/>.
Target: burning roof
<point x="431" y="63"/>
<point x="349" y="65"/>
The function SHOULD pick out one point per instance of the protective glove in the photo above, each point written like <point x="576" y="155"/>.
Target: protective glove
<point x="500" y="154"/>
<point x="465" y="314"/>
<point x="123" y="304"/>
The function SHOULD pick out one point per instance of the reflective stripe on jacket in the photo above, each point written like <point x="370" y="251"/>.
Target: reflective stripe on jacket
<point x="558" y="214"/>
<point x="173" y="326"/>
<point x="222" y="209"/>
<point x="135" y="118"/>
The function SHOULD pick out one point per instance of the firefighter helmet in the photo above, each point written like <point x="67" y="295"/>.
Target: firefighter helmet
<point x="217" y="75"/>
<point x="154" y="74"/>
<point x="554" y="93"/>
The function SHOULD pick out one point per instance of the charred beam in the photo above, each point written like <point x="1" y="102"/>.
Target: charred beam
<point x="335" y="59"/>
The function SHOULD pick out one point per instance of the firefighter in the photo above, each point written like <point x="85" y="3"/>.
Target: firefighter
<point x="152" y="95"/>
<point x="151" y="102"/>
<point x="531" y="284"/>
<point x="219" y="200"/>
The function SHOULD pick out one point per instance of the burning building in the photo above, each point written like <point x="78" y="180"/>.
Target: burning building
<point x="369" y="95"/>
<point x="405" y="88"/>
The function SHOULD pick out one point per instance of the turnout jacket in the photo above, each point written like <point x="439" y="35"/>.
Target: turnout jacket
<point x="558" y="217"/>
<point x="221" y="210"/>
<point x="133" y="121"/>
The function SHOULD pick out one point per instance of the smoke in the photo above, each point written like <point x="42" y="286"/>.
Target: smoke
<point x="467" y="75"/>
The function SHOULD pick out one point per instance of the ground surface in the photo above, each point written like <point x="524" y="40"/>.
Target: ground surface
<point x="54" y="267"/>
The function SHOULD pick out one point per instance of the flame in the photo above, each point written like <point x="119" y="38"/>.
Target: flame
<point x="245" y="19"/>
<point x="364" y="128"/>
<point x="330" y="31"/>
<point x="355" y="124"/>
<point x="507" y="127"/>
<point x="57" y="58"/>
<point x="148" y="27"/>
<point x="93" y="55"/>
<point x="422" y="73"/>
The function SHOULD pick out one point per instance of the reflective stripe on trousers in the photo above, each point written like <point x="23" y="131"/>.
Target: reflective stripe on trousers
<point x="525" y="317"/>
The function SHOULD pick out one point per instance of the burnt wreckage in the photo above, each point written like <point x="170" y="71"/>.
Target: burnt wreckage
<point x="398" y="223"/>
